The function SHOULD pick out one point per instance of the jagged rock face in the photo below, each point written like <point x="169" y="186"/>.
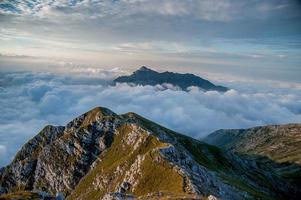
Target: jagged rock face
<point x="61" y="165"/>
<point x="58" y="157"/>
<point x="20" y="173"/>
<point x="101" y="155"/>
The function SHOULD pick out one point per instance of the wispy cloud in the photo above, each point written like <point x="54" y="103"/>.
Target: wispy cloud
<point x="215" y="10"/>
<point x="90" y="29"/>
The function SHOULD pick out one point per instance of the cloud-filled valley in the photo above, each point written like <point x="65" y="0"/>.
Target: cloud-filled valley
<point x="31" y="100"/>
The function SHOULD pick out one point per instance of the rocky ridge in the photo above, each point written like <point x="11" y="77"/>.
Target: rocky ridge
<point x="102" y="155"/>
<point x="278" y="142"/>
<point x="276" y="146"/>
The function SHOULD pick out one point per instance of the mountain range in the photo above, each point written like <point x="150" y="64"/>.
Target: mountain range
<point x="102" y="155"/>
<point x="146" y="76"/>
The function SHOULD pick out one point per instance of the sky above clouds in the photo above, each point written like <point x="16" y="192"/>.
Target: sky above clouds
<point x="57" y="58"/>
<point x="229" y="35"/>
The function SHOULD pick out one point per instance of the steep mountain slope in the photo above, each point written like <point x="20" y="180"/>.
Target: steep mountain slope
<point x="102" y="155"/>
<point x="146" y="76"/>
<point x="278" y="143"/>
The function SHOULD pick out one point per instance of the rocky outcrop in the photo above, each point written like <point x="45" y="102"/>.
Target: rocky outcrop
<point x="19" y="175"/>
<point x="198" y="179"/>
<point x="118" y="196"/>
<point x="58" y="157"/>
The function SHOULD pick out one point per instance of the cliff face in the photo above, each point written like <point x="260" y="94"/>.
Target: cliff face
<point x="19" y="175"/>
<point x="58" y="157"/>
<point x="102" y="155"/>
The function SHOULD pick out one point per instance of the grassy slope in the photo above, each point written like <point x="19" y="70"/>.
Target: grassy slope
<point x="213" y="159"/>
<point x="122" y="155"/>
<point x="22" y="195"/>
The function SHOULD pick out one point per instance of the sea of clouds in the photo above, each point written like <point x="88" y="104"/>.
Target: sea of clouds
<point x="31" y="100"/>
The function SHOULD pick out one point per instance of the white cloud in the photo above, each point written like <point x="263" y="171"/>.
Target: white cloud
<point x="212" y="10"/>
<point x="29" y="101"/>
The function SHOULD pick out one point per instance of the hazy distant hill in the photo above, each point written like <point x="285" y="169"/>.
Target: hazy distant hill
<point x="146" y="76"/>
<point x="102" y="155"/>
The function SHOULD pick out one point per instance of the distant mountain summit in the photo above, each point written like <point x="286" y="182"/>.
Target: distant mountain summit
<point x="103" y="155"/>
<point x="146" y="76"/>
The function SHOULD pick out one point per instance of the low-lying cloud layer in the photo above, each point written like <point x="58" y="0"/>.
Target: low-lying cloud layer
<point x="29" y="101"/>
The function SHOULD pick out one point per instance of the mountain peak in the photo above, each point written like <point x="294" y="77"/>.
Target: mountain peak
<point x="90" y="117"/>
<point x="144" y="68"/>
<point x="103" y="111"/>
<point x="147" y="76"/>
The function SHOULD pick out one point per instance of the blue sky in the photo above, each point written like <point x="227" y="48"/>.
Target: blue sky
<point x="252" y="37"/>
